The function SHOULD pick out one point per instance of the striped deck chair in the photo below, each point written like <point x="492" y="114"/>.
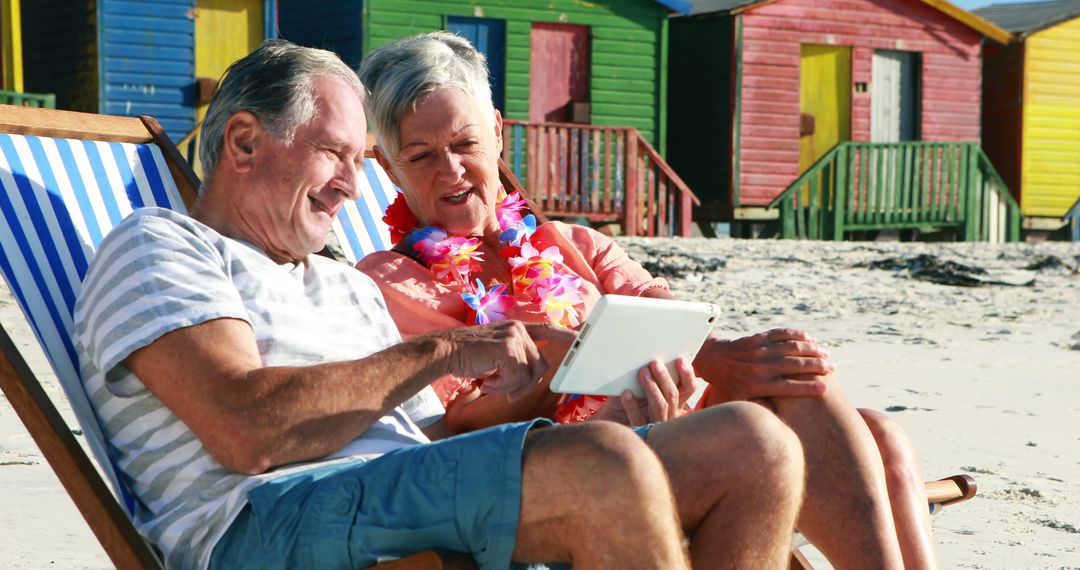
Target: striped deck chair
<point x="359" y="227"/>
<point x="67" y="179"/>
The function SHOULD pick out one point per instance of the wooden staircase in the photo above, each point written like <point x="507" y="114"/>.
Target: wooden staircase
<point x="861" y="186"/>
<point x="600" y="174"/>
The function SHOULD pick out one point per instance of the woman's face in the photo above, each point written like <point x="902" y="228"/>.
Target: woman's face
<point x="448" y="162"/>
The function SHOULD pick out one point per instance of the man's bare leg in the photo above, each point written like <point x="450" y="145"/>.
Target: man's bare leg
<point x="737" y="475"/>
<point x="907" y="491"/>
<point x="596" y="495"/>
<point x="846" y="512"/>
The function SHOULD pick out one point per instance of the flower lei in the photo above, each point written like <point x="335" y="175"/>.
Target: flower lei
<point x="538" y="278"/>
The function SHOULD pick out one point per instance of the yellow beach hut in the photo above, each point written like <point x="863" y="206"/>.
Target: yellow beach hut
<point x="10" y="46"/>
<point x="1031" y="107"/>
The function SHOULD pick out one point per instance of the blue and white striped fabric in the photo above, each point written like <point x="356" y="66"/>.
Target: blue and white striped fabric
<point x="359" y="227"/>
<point x="60" y="197"/>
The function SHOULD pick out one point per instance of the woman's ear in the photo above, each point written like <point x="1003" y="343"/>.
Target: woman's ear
<point x="384" y="162"/>
<point x="498" y="131"/>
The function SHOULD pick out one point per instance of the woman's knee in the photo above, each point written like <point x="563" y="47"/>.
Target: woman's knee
<point x="897" y="452"/>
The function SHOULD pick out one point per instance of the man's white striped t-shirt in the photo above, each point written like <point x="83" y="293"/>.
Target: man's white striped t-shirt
<point x="160" y="271"/>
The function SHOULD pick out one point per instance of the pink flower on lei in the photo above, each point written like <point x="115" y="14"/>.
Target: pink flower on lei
<point x="451" y="257"/>
<point x="531" y="265"/>
<point x="509" y="209"/>
<point x="558" y="297"/>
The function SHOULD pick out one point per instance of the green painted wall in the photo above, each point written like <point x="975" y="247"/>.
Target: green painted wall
<point x="628" y="52"/>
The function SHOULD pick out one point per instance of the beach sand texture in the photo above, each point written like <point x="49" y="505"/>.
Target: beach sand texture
<point x="983" y="379"/>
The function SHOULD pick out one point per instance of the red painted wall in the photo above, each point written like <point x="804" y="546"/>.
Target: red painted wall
<point x="771" y="35"/>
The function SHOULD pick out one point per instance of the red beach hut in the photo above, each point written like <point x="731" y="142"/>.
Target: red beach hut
<point x="761" y="89"/>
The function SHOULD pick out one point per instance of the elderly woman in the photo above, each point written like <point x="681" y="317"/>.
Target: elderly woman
<point x="470" y="254"/>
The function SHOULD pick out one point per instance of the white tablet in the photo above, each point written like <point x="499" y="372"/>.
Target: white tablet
<point x="623" y="334"/>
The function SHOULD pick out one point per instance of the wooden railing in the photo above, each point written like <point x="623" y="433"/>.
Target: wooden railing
<point x="46" y="100"/>
<point x="876" y="186"/>
<point x="601" y="174"/>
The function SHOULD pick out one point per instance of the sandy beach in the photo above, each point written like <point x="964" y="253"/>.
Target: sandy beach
<point x="977" y="359"/>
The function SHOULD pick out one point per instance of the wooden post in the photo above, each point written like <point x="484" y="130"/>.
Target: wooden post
<point x="815" y="183"/>
<point x="630" y="211"/>
<point x="840" y="193"/>
<point x="609" y="173"/>
<point x="685" y="214"/>
<point x="971" y="217"/>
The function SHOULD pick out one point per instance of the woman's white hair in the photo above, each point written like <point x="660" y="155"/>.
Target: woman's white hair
<point x="399" y="74"/>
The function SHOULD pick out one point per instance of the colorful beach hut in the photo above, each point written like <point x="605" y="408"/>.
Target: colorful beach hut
<point x="583" y="86"/>
<point x="761" y="89"/>
<point x="601" y="63"/>
<point x="560" y="61"/>
<point x="1031" y="107"/>
<point x="120" y="57"/>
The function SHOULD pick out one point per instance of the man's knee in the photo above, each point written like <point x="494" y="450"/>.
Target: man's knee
<point x="776" y="445"/>
<point x="738" y="433"/>
<point x="594" y="448"/>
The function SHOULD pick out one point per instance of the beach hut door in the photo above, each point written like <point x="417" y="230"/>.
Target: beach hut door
<point x="558" y="72"/>
<point x="489" y="37"/>
<point x="894" y="96"/>
<point x="225" y="31"/>
<point x="824" y="100"/>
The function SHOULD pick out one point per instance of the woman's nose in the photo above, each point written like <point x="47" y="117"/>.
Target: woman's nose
<point x="450" y="165"/>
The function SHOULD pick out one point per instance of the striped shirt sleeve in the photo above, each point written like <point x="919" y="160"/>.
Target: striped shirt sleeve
<point x="157" y="276"/>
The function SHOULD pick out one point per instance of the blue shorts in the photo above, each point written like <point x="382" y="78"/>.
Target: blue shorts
<point x="461" y="494"/>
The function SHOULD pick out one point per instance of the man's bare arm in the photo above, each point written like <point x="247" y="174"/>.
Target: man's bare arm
<point x="252" y="418"/>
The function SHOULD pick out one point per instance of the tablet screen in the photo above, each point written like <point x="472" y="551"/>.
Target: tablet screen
<point x="623" y="334"/>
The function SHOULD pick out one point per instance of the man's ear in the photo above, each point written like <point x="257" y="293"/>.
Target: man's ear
<point x="384" y="162"/>
<point x="242" y="133"/>
<point x="499" y="131"/>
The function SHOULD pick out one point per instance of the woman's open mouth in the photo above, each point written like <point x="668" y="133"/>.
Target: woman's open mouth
<point x="458" y="197"/>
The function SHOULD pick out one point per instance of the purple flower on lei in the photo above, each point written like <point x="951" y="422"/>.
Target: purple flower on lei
<point x="516" y="234"/>
<point x="490" y="305"/>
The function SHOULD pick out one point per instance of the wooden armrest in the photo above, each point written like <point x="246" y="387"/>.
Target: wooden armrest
<point x="951" y="490"/>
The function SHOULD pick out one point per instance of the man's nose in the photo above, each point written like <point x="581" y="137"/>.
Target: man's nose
<point x="348" y="177"/>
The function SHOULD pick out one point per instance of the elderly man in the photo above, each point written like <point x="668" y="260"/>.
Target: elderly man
<point x="264" y="411"/>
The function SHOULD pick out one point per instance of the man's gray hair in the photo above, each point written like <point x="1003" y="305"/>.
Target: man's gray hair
<point x="274" y="83"/>
<point x="399" y="74"/>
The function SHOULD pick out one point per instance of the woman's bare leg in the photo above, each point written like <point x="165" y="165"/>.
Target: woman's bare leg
<point x="907" y="491"/>
<point x="846" y="512"/>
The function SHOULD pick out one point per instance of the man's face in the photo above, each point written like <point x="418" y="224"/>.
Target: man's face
<point x="296" y="190"/>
